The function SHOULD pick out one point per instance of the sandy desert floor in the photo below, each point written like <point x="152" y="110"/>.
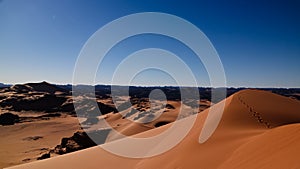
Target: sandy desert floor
<point x="25" y="142"/>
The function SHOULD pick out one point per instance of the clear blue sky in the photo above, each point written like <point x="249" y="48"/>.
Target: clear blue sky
<point x="258" y="41"/>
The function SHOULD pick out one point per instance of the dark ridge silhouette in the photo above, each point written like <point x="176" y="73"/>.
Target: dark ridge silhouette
<point x="46" y="87"/>
<point x="2" y="85"/>
<point x="38" y="87"/>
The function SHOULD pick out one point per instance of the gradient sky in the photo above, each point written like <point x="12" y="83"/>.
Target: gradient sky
<point x="258" y="41"/>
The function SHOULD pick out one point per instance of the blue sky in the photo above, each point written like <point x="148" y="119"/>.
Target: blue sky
<point x="258" y="41"/>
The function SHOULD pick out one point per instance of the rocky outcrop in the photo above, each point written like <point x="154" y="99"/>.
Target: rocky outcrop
<point x="42" y="96"/>
<point x="81" y="140"/>
<point x="46" y="102"/>
<point x="44" y="156"/>
<point x="8" y="119"/>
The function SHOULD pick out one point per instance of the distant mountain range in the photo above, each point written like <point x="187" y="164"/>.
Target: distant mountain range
<point x="172" y="92"/>
<point x="4" y="85"/>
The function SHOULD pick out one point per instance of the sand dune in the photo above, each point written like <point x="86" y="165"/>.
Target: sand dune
<point x="248" y="136"/>
<point x="277" y="148"/>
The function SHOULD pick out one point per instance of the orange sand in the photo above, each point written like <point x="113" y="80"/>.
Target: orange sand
<point x="248" y="136"/>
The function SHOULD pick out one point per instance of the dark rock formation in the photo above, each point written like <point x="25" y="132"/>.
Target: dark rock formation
<point x="8" y="119"/>
<point x="169" y="106"/>
<point x="32" y="138"/>
<point x="44" y="156"/>
<point x="36" y="97"/>
<point x="45" y="87"/>
<point x="67" y="107"/>
<point x="81" y="140"/>
<point x="161" y="123"/>
<point x="47" y="103"/>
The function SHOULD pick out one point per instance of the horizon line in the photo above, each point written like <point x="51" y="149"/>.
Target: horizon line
<point x="137" y="85"/>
